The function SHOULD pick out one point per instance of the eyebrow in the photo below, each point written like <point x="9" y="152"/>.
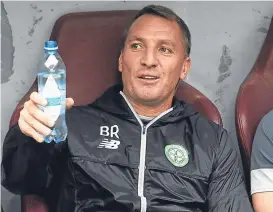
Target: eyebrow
<point x="135" y="38"/>
<point x="161" y="41"/>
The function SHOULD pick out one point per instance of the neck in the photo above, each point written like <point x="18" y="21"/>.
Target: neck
<point x="150" y="110"/>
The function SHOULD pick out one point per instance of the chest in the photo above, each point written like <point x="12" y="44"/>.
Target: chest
<point x="159" y="162"/>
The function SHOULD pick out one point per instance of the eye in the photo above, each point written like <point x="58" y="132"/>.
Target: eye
<point x="165" y="50"/>
<point x="136" y="46"/>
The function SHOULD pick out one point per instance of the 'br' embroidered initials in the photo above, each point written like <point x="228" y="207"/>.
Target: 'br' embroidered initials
<point x="109" y="132"/>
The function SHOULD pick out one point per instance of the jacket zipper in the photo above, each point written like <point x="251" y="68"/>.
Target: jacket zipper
<point x="142" y="167"/>
<point x="143" y="129"/>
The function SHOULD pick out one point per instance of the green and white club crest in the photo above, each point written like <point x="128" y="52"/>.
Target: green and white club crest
<point x="177" y="155"/>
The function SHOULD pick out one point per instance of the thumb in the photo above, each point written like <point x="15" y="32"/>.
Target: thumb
<point x="69" y="103"/>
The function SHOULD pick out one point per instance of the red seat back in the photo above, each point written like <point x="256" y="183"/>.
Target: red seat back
<point x="255" y="99"/>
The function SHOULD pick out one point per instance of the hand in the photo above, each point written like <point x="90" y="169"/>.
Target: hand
<point x="33" y="121"/>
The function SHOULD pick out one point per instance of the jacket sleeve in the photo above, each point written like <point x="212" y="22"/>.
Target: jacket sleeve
<point x="28" y="166"/>
<point x="227" y="190"/>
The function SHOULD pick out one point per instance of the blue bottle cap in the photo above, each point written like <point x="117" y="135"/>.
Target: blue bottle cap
<point x="51" y="45"/>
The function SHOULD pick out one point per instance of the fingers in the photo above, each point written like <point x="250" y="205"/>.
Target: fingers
<point x="37" y="99"/>
<point x="69" y="103"/>
<point x="31" y="110"/>
<point x="35" y="124"/>
<point x="33" y="121"/>
<point x="29" y="131"/>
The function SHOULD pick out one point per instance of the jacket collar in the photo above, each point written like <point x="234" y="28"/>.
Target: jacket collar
<point x="114" y="102"/>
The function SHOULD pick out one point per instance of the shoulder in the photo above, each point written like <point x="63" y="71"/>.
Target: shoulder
<point x="75" y="111"/>
<point x="204" y="126"/>
<point x="80" y="110"/>
<point x="264" y="134"/>
<point x="267" y="125"/>
<point x="80" y="114"/>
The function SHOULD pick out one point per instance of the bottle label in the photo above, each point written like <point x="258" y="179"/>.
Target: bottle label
<point x="52" y="93"/>
<point x="53" y="101"/>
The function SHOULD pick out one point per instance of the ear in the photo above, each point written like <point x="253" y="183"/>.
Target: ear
<point x="186" y="67"/>
<point x="120" y="62"/>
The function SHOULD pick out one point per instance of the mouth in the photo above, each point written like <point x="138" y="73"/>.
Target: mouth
<point x="148" y="77"/>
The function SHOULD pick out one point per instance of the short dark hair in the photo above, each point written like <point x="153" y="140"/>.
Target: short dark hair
<point x="167" y="13"/>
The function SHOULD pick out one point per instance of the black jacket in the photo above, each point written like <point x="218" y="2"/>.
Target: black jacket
<point x="112" y="162"/>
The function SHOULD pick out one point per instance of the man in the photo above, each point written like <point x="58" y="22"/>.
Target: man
<point x="262" y="165"/>
<point x="136" y="148"/>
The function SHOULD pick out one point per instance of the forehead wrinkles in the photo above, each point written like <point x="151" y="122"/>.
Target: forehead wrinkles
<point x="168" y="35"/>
<point x="156" y="29"/>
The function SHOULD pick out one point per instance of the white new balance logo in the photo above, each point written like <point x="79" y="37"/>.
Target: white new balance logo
<point x="109" y="132"/>
<point x="112" y="144"/>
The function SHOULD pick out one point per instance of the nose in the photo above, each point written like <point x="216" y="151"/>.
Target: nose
<point x="149" y="59"/>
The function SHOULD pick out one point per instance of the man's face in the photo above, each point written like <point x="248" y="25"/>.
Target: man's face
<point x="153" y="60"/>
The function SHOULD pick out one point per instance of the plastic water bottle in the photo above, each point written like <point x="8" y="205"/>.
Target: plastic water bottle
<point x="52" y="86"/>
